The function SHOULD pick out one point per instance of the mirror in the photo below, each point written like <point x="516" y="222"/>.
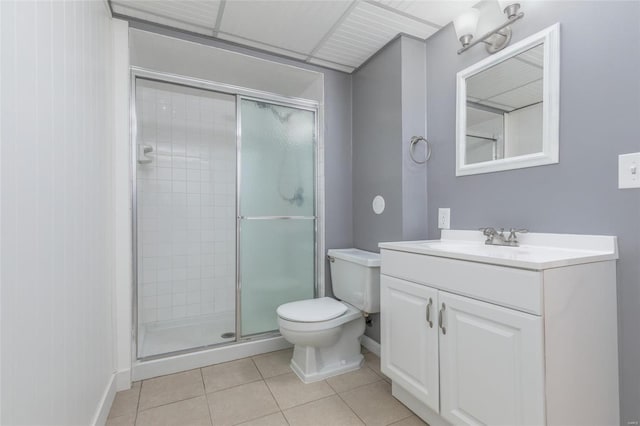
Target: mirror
<point x="507" y="108"/>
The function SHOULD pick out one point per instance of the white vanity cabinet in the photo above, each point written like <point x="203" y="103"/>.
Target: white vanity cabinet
<point x="473" y="335"/>
<point x="410" y="332"/>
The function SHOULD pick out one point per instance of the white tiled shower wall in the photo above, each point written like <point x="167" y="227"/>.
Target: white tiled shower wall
<point x="186" y="202"/>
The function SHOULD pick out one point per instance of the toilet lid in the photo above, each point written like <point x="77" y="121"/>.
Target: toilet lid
<point x="312" y="310"/>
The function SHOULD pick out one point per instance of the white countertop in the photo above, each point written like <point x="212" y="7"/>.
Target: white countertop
<point x="536" y="251"/>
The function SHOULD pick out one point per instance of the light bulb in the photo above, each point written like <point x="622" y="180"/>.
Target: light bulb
<point x="465" y="26"/>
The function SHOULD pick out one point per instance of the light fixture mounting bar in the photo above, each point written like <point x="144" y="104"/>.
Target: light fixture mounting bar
<point x="492" y="32"/>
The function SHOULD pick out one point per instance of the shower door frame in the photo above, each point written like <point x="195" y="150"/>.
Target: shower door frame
<point x="239" y="93"/>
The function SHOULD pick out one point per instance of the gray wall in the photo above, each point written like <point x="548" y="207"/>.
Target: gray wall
<point x="599" y="116"/>
<point x="414" y="104"/>
<point x="377" y="154"/>
<point x="388" y="108"/>
<point x="337" y="139"/>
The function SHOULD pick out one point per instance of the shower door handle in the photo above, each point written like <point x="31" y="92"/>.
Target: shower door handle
<point x="143" y="150"/>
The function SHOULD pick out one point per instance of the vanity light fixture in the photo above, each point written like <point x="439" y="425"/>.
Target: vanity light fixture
<point x="496" y="39"/>
<point x="465" y="26"/>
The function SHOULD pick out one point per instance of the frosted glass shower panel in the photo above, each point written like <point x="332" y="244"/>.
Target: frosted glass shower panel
<point x="277" y="210"/>
<point x="277" y="266"/>
<point x="277" y="162"/>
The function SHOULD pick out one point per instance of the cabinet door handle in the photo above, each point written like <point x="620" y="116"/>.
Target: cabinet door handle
<point x="429" y="313"/>
<point x="441" y="320"/>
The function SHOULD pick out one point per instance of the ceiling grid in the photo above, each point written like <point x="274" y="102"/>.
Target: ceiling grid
<point x="216" y="28"/>
<point x="337" y="34"/>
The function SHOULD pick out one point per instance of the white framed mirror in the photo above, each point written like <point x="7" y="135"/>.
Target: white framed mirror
<point x="507" y="107"/>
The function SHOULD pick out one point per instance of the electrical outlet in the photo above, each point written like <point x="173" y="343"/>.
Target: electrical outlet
<point x="444" y="216"/>
<point x="629" y="171"/>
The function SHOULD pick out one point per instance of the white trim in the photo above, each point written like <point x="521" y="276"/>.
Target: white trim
<point x="122" y="308"/>
<point x="102" y="412"/>
<point x="550" y="37"/>
<point x="123" y="380"/>
<point x="370" y="344"/>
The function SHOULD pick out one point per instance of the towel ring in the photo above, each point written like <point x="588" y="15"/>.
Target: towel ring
<point x="412" y="146"/>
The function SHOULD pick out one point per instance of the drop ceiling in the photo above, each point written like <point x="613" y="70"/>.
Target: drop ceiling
<point x="340" y="34"/>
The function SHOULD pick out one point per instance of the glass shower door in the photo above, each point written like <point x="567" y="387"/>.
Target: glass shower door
<point x="276" y="214"/>
<point x="185" y="164"/>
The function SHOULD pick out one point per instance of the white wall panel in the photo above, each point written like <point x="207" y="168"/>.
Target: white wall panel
<point x="56" y="224"/>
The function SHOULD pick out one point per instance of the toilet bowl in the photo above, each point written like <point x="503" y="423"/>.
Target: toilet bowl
<point x="326" y="332"/>
<point x="327" y="346"/>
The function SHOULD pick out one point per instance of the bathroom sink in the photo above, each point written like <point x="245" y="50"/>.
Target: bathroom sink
<point x="536" y="251"/>
<point x="477" y="248"/>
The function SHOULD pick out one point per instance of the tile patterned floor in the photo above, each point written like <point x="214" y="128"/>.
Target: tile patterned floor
<point x="261" y="391"/>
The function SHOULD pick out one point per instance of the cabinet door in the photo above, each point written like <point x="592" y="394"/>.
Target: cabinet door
<point x="491" y="364"/>
<point x="409" y="337"/>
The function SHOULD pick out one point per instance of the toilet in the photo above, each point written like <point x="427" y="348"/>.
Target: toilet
<point x="326" y="332"/>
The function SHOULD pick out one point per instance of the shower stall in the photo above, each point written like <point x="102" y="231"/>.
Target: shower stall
<point x="224" y="212"/>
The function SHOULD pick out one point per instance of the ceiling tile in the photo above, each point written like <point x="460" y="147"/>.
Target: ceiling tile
<point x="365" y="31"/>
<point x="338" y="34"/>
<point x="297" y="25"/>
<point x="196" y="16"/>
<point x="439" y="12"/>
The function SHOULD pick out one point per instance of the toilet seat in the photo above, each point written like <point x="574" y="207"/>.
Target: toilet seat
<point x="312" y="310"/>
<point x="349" y="315"/>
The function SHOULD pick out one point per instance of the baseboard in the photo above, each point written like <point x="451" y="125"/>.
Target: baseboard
<point x="370" y="344"/>
<point x="123" y="380"/>
<point x="100" y="418"/>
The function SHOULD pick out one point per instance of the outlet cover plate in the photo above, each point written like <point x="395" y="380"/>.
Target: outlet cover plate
<point x="444" y="217"/>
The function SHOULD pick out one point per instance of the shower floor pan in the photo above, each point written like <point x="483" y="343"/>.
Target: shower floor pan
<point x="179" y="335"/>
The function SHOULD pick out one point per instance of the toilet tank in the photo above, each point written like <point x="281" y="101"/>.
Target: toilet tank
<point x="355" y="278"/>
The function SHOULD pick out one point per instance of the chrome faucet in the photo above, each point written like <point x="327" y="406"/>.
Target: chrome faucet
<point x="497" y="238"/>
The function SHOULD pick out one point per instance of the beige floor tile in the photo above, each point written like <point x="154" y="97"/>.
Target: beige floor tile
<point x="191" y="412"/>
<point x="289" y="390"/>
<point x="374" y="404"/>
<point x="126" y="402"/>
<point x="128" y="420"/>
<point x="241" y="403"/>
<point x="229" y="374"/>
<point x="274" y="363"/>
<point x="171" y="388"/>
<point x="372" y="361"/>
<point x="352" y="380"/>
<point x="275" y="419"/>
<point x="410" y="421"/>
<point x="328" y="411"/>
